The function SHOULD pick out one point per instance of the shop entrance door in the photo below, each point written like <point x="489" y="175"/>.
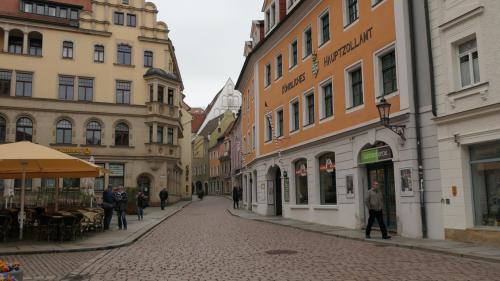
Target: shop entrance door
<point x="277" y="190"/>
<point x="384" y="174"/>
<point x="144" y="184"/>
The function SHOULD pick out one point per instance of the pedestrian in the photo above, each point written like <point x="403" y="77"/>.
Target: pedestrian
<point x="108" y="205"/>
<point x="163" y="198"/>
<point x="121" y="200"/>
<point x="141" y="204"/>
<point x="236" y="198"/>
<point x="375" y="204"/>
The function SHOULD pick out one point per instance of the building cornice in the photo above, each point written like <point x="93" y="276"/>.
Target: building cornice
<point x="50" y="25"/>
<point x="468" y="114"/>
<point x="124" y="7"/>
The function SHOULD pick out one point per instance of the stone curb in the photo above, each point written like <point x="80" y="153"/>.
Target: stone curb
<point x="387" y="244"/>
<point x="98" y="248"/>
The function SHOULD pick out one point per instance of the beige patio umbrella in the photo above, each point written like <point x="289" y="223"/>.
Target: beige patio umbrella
<point x="26" y="160"/>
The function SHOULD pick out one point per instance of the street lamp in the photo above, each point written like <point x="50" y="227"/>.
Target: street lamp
<point x="384" y="110"/>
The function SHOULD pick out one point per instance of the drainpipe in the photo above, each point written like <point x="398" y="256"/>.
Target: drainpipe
<point x="431" y="58"/>
<point x="418" y="129"/>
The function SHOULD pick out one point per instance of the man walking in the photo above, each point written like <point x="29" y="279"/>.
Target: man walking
<point x="121" y="200"/>
<point x="375" y="204"/>
<point x="107" y="205"/>
<point x="163" y="198"/>
<point x="236" y="198"/>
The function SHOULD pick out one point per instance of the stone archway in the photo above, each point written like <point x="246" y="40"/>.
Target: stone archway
<point x="274" y="183"/>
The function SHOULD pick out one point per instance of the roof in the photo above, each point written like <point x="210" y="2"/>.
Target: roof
<point x="229" y="128"/>
<point x="197" y="121"/>
<point x="211" y="126"/>
<point x="161" y="73"/>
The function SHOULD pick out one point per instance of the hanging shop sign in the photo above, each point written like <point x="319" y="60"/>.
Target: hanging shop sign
<point x="377" y="154"/>
<point x="348" y="47"/>
<point x="292" y="84"/>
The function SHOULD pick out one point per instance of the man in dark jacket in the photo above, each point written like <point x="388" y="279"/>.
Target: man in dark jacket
<point x="107" y="205"/>
<point x="236" y="198"/>
<point x="163" y="198"/>
<point x="375" y="204"/>
<point x="121" y="200"/>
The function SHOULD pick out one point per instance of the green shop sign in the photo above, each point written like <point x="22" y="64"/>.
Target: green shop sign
<point x="374" y="155"/>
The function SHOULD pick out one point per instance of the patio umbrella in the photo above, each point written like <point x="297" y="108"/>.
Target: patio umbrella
<point x="26" y="160"/>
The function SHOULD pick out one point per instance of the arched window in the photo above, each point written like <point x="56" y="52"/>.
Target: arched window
<point x="94" y="133"/>
<point x="121" y="135"/>
<point x="3" y="129"/>
<point x="301" y="191"/>
<point x="327" y="179"/>
<point x="64" y="132"/>
<point x="24" y="129"/>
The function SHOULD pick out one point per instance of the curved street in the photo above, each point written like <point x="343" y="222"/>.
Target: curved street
<point x="205" y="242"/>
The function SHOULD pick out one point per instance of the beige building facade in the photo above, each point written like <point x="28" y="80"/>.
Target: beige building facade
<point x="95" y="78"/>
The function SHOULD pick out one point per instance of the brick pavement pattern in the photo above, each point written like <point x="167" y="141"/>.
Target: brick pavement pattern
<point x="204" y="242"/>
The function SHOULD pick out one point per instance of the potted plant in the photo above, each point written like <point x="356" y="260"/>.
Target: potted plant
<point x="10" y="271"/>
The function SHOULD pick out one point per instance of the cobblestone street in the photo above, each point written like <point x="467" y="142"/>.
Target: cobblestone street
<point x="204" y="242"/>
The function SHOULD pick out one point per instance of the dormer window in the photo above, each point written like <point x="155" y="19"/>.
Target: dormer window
<point x="52" y="9"/>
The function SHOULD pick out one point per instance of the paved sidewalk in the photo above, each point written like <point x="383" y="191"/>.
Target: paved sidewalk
<point x="110" y="239"/>
<point x="467" y="250"/>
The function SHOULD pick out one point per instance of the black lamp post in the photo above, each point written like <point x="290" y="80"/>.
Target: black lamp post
<point x="384" y="110"/>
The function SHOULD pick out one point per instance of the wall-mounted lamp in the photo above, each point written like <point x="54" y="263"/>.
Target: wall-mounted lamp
<point x="384" y="110"/>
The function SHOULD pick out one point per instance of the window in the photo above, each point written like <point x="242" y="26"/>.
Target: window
<point x="3" y="130"/>
<point x="327" y="106"/>
<point x="253" y="137"/>
<point x="389" y="79"/>
<point x="28" y="7"/>
<point x="279" y="123"/>
<point x="98" y="53"/>
<point x="324" y="35"/>
<point x="351" y="11"/>
<point x="170" y="99"/>
<point x="117" y="174"/>
<point x="293" y="54"/>
<point x="121" y="135"/>
<point x="170" y="136"/>
<point x="355" y="90"/>
<point x="327" y="179"/>
<point x="18" y="184"/>
<point x="273" y="14"/>
<point x="267" y="72"/>
<point x="35" y="47"/>
<point x="24" y="129"/>
<point x="151" y="93"/>
<point x="52" y="11"/>
<point x="295" y="116"/>
<point x="15" y="45"/>
<point x="73" y="14"/>
<point x="71" y="183"/>
<point x="151" y="134"/>
<point x="40" y="9"/>
<point x="123" y="92"/>
<point x="125" y="2"/>
<point x="5" y="79"/>
<point x="67" y="50"/>
<point x="118" y="18"/>
<point x="309" y="118"/>
<point x="93" y="133"/>
<point x="279" y="66"/>
<point x="268" y="20"/>
<point x="307" y="41"/>
<point x="85" y="89"/>
<point x="269" y="128"/>
<point x="159" y="134"/>
<point x="48" y="184"/>
<point x="131" y="20"/>
<point x="66" y="85"/>
<point x="161" y="93"/>
<point x="376" y="2"/>
<point x="24" y="84"/>
<point x="148" y="59"/>
<point x="469" y="63"/>
<point x="63" y="13"/>
<point x="64" y="132"/>
<point x="99" y="181"/>
<point x="124" y="54"/>
<point x="301" y="192"/>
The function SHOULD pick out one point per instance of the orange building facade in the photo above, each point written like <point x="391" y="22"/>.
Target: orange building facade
<point x="312" y="142"/>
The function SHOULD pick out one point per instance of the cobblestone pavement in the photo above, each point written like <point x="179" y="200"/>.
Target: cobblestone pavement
<point x="204" y="242"/>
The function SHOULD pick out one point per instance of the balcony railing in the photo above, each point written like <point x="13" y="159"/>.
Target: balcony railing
<point x="164" y="109"/>
<point x="163" y="150"/>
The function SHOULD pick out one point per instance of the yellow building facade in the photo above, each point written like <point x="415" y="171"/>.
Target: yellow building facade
<point x="96" y="78"/>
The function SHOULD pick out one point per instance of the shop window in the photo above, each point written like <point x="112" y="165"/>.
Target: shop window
<point x="469" y="63"/>
<point x="327" y="179"/>
<point x="67" y="50"/>
<point x="64" y="132"/>
<point x="121" y="135"/>
<point x="124" y="54"/>
<point x="24" y="84"/>
<point x="24" y="129"/>
<point x="94" y="133"/>
<point x="485" y="169"/>
<point x="5" y="81"/>
<point x="85" y="89"/>
<point x="66" y="87"/>
<point x="301" y="191"/>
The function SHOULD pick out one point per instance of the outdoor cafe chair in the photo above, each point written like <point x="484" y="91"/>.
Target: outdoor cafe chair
<point x="68" y="227"/>
<point x="5" y="226"/>
<point x="47" y="227"/>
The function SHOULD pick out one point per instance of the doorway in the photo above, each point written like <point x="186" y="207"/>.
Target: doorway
<point x="144" y="184"/>
<point x="383" y="173"/>
<point x="277" y="193"/>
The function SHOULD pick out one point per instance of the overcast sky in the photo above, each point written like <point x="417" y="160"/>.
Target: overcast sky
<point x="208" y="37"/>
